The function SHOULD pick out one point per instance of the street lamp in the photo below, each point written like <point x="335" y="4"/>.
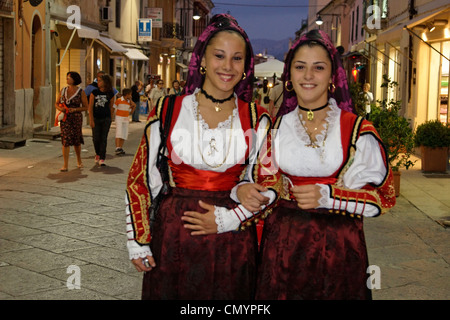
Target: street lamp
<point x="319" y="20"/>
<point x="196" y="15"/>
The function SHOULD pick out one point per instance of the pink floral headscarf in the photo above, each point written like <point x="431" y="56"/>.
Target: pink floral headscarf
<point x="220" y="22"/>
<point x="339" y="77"/>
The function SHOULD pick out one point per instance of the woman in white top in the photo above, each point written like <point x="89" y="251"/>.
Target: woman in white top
<point x="323" y="170"/>
<point x="213" y="136"/>
<point x="331" y="170"/>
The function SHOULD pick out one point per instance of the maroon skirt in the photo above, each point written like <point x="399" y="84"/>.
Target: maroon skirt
<point x="312" y="255"/>
<point x="212" y="267"/>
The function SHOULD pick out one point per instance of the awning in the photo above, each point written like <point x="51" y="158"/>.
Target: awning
<point x="395" y="33"/>
<point x="135" y="54"/>
<point x="112" y="44"/>
<point x="182" y="65"/>
<point x="89" y="33"/>
<point x="390" y="35"/>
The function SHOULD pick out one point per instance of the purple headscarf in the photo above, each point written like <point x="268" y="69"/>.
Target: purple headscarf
<point x="339" y="77"/>
<point x="220" y="22"/>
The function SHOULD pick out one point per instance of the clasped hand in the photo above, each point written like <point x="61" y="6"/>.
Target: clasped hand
<point x="307" y="196"/>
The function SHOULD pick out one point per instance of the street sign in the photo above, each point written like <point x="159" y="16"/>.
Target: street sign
<point x="156" y="14"/>
<point x="144" y="30"/>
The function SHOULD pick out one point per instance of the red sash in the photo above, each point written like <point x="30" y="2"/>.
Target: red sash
<point x="188" y="177"/>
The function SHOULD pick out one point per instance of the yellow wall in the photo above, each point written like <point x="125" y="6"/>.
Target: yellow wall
<point x="24" y="29"/>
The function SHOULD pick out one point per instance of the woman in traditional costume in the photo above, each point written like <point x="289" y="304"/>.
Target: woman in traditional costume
<point x="214" y="132"/>
<point x="324" y="169"/>
<point x="332" y="172"/>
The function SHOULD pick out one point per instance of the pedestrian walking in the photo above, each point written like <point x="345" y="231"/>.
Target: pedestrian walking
<point x="71" y="102"/>
<point x="101" y="108"/>
<point x="215" y="106"/>
<point x="136" y="98"/>
<point x="94" y="85"/>
<point x="124" y="106"/>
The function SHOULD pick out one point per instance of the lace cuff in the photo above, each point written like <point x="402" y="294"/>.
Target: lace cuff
<point x="136" y="251"/>
<point x="230" y="219"/>
<point x="226" y="220"/>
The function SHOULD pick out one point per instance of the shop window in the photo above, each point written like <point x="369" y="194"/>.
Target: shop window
<point x="444" y="78"/>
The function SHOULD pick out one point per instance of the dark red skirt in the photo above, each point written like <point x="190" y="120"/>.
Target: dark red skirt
<point x="312" y="255"/>
<point x="213" y="267"/>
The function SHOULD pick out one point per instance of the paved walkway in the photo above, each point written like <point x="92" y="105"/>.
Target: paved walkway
<point x="54" y="226"/>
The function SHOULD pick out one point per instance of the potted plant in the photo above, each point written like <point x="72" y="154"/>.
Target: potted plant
<point x="433" y="138"/>
<point x="395" y="132"/>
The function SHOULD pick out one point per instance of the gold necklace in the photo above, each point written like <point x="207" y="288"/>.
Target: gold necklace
<point x="313" y="144"/>
<point x="212" y="142"/>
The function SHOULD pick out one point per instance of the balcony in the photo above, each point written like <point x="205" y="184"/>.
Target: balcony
<point x="172" y="35"/>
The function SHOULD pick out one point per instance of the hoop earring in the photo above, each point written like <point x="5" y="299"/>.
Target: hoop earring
<point x="244" y="76"/>
<point x="332" y="88"/>
<point x="202" y="70"/>
<point x="286" y="84"/>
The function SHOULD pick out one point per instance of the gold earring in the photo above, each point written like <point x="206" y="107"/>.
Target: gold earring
<point x="244" y="76"/>
<point x="332" y="88"/>
<point x="286" y="84"/>
<point x="202" y="70"/>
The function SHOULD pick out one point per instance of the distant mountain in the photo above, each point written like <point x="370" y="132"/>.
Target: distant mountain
<point x="276" y="48"/>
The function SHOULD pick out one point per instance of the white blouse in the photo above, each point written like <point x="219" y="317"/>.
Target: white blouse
<point x="201" y="147"/>
<point x="295" y="158"/>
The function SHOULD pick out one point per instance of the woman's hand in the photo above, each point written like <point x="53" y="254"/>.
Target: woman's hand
<point x="140" y="266"/>
<point x="307" y="196"/>
<point x="92" y="123"/>
<point x="250" y="197"/>
<point x="201" y="223"/>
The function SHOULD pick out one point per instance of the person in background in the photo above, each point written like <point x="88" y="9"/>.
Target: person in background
<point x="368" y="98"/>
<point x="94" y="85"/>
<point x="276" y="98"/>
<point x="176" y="89"/>
<point x="136" y="98"/>
<point x="71" y="102"/>
<point x="263" y="94"/>
<point x="123" y="107"/>
<point x="101" y="108"/>
<point x="156" y="93"/>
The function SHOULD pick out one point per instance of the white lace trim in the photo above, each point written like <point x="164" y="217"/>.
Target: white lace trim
<point x="226" y="220"/>
<point x="324" y="192"/>
<point x="331" y="119"/>
<point x="136" y="251"/>
<point x="222" y="125"/>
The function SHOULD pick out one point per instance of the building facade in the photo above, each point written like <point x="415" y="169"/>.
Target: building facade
<point x="42" y="40"/>
<point x="408" y="41"/>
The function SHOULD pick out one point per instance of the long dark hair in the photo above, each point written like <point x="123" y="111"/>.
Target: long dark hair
<point x="107" y="81"/>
